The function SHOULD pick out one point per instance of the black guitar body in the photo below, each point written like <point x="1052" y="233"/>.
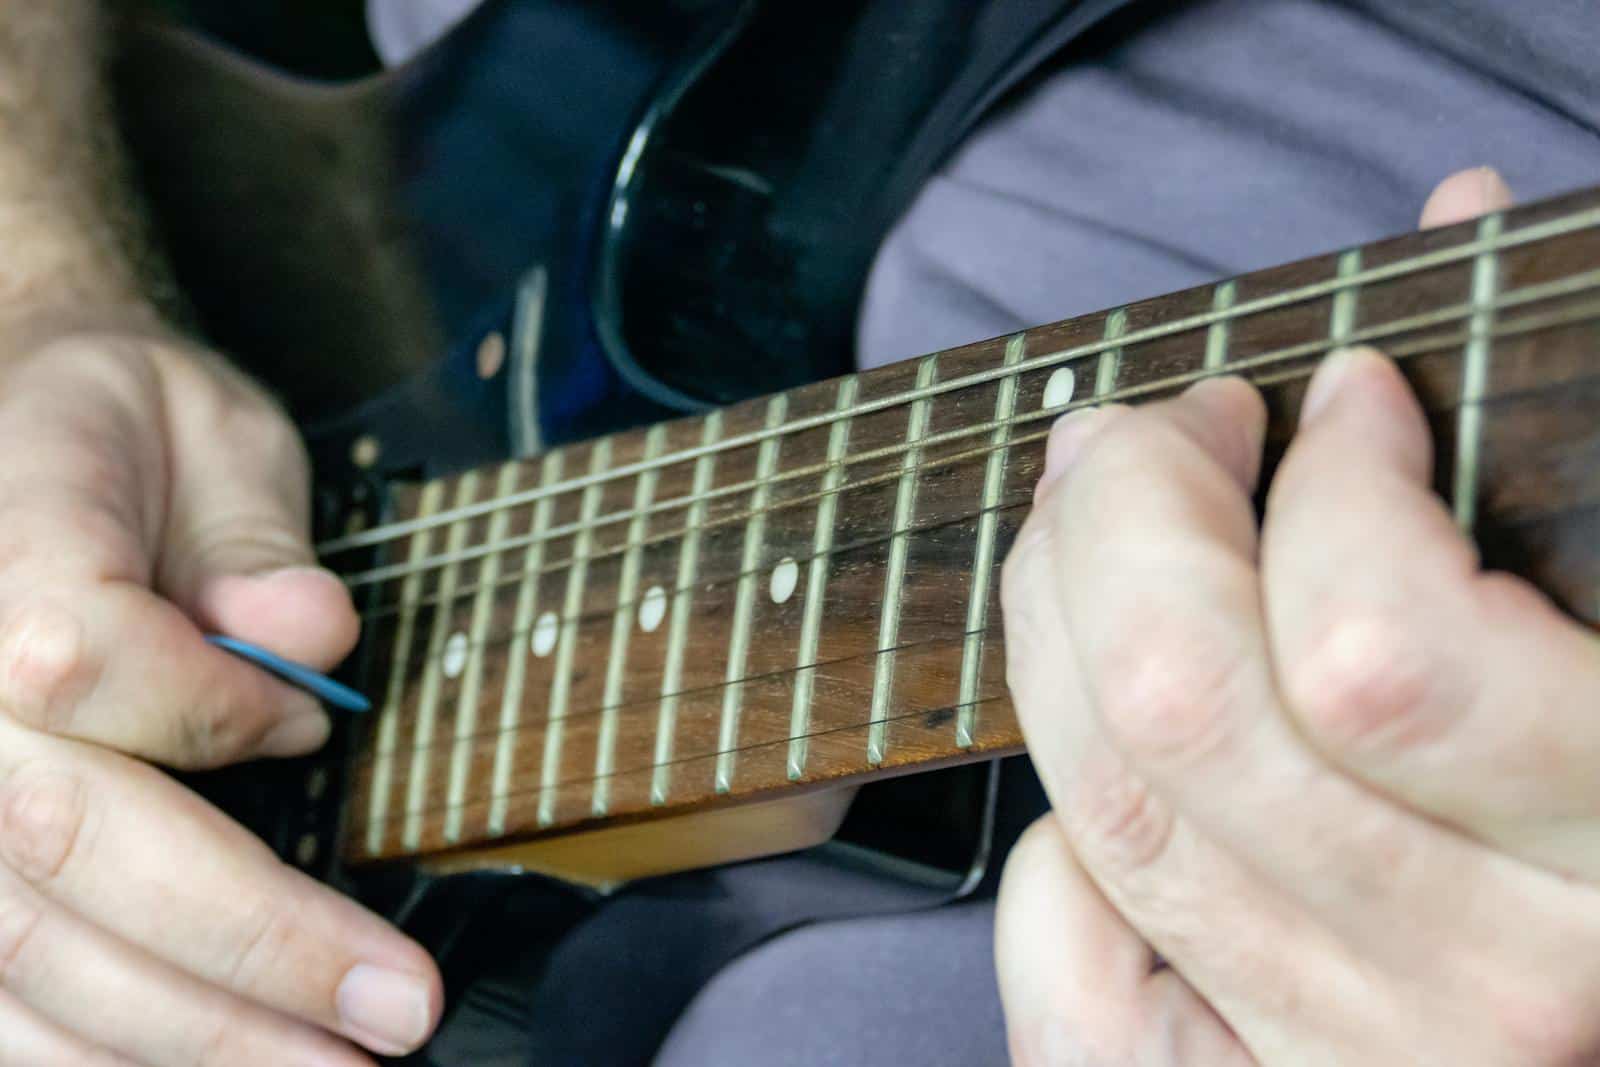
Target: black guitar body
<point x="648" y="208"/>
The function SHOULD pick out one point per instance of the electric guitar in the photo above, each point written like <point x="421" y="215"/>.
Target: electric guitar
<point x="674" y="646"/>
<point x="688" y="639"/>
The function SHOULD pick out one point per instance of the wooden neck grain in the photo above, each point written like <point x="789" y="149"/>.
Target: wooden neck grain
<point x="802" y="590"/>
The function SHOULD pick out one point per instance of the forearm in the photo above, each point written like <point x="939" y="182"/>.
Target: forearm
<point x="75" y="247"/>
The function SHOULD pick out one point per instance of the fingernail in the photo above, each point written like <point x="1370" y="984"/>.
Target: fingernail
<point x="1326" y="381"/>
<point x="1065" y="443"/>
<point x="387" y="1011"/>
<point x="296" y="735"/>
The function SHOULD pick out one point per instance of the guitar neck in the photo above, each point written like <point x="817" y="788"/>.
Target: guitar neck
<point x="803" y="590"/>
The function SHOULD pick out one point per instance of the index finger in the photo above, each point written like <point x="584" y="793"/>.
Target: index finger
<point x="133" y="852"/>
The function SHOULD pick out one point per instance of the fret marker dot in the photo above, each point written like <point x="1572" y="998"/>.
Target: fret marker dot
<point x="785" y="576"/>
<point x="1058" y="390"/>
<point x="652" y="609"/>
<point x="544" y="634"/>
<point x="455" y="655"/>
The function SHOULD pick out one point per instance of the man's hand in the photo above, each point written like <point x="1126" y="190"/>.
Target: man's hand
<point x="1321" y="786"/>
<point x="136" y="921"/>
<point x="151" y="494"/>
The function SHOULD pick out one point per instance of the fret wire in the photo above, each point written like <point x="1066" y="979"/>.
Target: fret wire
<point x="622" y="626"/>
<point x="1408" y="350"/>
<point x="1468" y="250"/>
<point x="1342" y="320"/>
<point x="517" y="662"/>
<point x="1474" y="377"/>
<point x="983" y="557"/>
<point x="1219" y="332"/>
<point x="472" y="677"/>
<point x="817" y="581"/>
<point x="566" y="640"/>
<point x="1105" y="378"/>
<point x="427" y="700"/>
<point x="1529" y="294"/>
<point x="745" y="596"/>
<point x="389" y="713"/>
<point x="641" y="705"/>
<point x="905" y="504"/>
<point x="753" y="746"/>
<point x="678" y="628"/>
<point x="1150" y="389"/>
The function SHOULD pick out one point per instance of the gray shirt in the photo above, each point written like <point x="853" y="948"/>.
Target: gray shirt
<point x="1189" y="141"/>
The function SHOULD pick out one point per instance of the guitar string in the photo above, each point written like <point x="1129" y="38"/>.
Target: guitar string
<point x="1521" y="326"/>
<point x="1571" y="285"/>
<point x="358" y="828"/>
<point x="1458" y="313"/>
<point x="641" y="769"/>
<point x="1560" y="226"/>
<point x="648" y="705"/>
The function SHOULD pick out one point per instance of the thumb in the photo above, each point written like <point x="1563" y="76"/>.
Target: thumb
<point x="237" y="558"/>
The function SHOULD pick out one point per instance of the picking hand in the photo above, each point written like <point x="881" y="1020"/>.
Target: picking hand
<point x="150" y="495"/>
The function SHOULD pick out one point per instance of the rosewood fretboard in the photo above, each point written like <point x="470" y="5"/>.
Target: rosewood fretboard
<point x="803" y="589"/>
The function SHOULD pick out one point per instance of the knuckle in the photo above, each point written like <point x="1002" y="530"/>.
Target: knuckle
<point x="43" y="662"/>
<point x="1117" y="819"/>
<point x="225" y="1041"/>
<point x="269" y="935"/>
<point x="1170" y="697"/>
<point x="210" y="735"/>
<point x="266" y="432"/>
<point x="223" y="405"/>
<point x="43" y="810"/>
<point x="1367" y="681"/>
<point x="20" y="919"/>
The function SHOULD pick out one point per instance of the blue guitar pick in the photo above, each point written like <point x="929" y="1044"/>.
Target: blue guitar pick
<point x="318" y="685"/>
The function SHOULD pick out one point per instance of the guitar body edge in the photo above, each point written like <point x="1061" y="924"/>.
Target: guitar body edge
<point x="606" y="858"/>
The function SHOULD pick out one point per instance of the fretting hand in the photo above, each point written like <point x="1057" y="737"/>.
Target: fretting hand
<point x="1321" y="786"/>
